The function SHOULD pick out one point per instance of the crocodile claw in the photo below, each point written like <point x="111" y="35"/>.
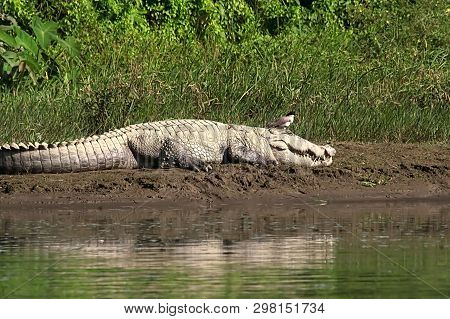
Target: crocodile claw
<point x="202" y="167"/>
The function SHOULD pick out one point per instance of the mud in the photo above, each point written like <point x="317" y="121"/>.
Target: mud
<point x="360" y="171"/>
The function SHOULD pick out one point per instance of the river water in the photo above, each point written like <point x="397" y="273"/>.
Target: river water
<point x="253" y="250"/>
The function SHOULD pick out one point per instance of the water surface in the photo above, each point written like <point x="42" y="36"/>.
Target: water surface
<point x="259" y="250"/>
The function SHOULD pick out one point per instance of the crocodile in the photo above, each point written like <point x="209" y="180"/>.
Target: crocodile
<point x="189" y="144"/>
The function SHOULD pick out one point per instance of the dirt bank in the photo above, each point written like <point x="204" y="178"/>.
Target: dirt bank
<point x="360" y="171"/>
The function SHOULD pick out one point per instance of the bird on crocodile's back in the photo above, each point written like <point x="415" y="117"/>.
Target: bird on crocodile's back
<point x="190" y="144"/>
<point x="283" y="122"/>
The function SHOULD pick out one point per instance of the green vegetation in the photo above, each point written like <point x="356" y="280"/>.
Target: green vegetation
<point x="353" y="70"/>
<point x="22" y="52"/>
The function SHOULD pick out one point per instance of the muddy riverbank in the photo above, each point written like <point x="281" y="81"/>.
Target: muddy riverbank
<point x="360" y="171"/>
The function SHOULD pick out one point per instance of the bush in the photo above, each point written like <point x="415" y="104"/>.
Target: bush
<point x="221" y="21"/>
<point x="31" y="54"/>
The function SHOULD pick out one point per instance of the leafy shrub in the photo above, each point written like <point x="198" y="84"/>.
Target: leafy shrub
<point x="24" y="53"/>
<point x="219" y="21"/>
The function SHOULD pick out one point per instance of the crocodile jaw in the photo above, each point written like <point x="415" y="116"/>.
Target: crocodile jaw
<point x="297" y="151"/>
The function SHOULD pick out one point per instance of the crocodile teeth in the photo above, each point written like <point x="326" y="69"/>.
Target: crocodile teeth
<point x="6" y="146"/>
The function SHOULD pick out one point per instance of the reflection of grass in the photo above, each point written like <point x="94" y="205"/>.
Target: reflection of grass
<point x="20" y="272"/>
<point x="369" y="274"/>
<point x="357" y="271"/>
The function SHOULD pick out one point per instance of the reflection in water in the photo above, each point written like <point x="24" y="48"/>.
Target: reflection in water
<point x="270" y="251"/>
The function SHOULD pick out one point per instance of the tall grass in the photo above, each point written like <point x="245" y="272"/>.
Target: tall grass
<point x="391" y="84"/>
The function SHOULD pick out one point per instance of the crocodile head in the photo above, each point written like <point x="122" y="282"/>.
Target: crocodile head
<point x="291" y="149"/>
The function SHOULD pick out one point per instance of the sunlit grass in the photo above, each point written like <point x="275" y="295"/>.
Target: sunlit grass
<point x="390" y="85"/>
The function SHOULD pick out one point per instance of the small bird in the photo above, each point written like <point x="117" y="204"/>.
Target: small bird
<point x="283" y="122"/>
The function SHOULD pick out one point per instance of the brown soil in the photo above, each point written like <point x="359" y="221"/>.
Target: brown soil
<point x="360" y="171"/>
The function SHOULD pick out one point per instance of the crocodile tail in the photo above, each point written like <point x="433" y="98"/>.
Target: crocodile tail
<point x="91" y="154"/>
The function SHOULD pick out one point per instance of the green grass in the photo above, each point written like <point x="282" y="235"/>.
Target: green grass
<point x="386" y="82"/>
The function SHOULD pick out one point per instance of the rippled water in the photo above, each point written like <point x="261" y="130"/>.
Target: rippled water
<point x="269" y="250"/>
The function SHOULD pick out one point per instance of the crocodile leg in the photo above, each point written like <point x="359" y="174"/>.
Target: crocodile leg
<point x="176" y="153"/>
<point x="257" y="151"/>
